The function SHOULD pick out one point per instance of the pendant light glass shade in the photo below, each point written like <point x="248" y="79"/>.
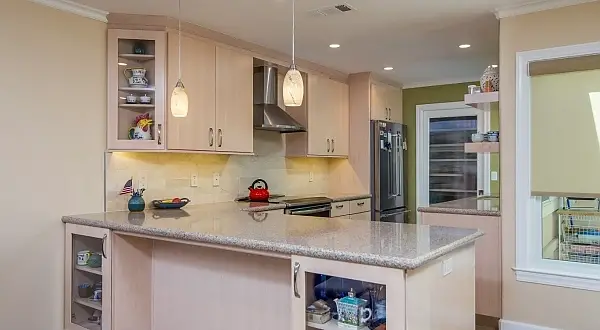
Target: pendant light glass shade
<point x="293" y="88"/>
<point x="179" y="101"/>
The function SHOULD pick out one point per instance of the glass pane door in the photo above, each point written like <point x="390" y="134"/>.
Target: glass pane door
<point x="453" y="174"/>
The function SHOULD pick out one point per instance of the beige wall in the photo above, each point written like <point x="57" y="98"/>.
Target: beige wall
<point x="53" y="100"/>
<point x="522" y="302"/>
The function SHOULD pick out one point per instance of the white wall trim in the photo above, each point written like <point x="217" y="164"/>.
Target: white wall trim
<point x="512" y="325"/>
<point x="530" y="265"/>
<point x="535" y="6"/>
<point x="75" y="8"/>
<point x="440" y="82"/>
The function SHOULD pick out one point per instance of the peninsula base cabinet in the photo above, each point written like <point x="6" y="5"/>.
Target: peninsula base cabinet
<point x="155" y="285"/>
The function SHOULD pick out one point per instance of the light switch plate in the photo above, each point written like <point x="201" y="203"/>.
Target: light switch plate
<point x="447" y="266"/>
<point x="216" y="179"/>
<point x="494" y="176"/>
<point x="142" y="182"/>
<point x="194" y="180"/>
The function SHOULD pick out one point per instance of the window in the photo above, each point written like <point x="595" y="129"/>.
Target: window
<point x="558" y="156"/>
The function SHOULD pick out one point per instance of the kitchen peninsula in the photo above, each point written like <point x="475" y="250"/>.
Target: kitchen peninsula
<point x="219" y="266"/>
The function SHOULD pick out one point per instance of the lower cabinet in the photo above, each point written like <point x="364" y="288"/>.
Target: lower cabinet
<point x="488" y="257"/>
<point x="87" y="278"/>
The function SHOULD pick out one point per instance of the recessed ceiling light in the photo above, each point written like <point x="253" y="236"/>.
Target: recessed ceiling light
<point x="463" y="46"/>
<point x="494" y="65"/>
<point x="334" y="46"/>
<point x="388" y="68"/>
<point x="122" y="64"/>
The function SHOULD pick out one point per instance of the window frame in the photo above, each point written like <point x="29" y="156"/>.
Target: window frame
<point x="530" y="265"/>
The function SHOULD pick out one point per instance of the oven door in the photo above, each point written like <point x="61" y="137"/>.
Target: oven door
<point x="311" y="211"/>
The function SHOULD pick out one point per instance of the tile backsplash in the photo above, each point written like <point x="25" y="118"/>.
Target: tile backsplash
<point x="169" y="174"/>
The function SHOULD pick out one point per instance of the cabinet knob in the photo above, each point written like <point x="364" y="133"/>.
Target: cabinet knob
<point x="296" y="271"/>
<point x="339" y="206"/>
<point x="328" y="146"/>
<point x="360" y="203"/>
<point x="159" y="131"/>
<point x="332" y="145"/>
<point x="103" y="242"/>
<point x="211" y="137"/>
<point x="220" y="137"/>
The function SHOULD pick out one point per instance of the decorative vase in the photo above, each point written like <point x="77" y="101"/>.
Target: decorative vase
<point x="136" y="204"/>
<point x="490" y="80"/>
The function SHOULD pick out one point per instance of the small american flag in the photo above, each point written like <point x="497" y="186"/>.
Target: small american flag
<point x="127" y="188"/>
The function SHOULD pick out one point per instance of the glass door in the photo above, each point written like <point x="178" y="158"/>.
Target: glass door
<point x="449" y="172"/>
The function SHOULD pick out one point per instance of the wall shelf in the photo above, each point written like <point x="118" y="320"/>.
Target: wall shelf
<point x="137" y="107"/>
<point x="87" y="269"/>
<point x="481" y="100"/>
<point x="137" y="57"/>
<point x="137" y="89"/>
<point x="479" y="147"/>
<point x="89" y="303"/>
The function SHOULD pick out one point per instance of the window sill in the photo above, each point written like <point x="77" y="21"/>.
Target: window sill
<point x="565" y="280"/>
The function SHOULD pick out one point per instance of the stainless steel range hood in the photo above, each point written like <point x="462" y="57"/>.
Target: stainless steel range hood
<point x="268" y="115"/>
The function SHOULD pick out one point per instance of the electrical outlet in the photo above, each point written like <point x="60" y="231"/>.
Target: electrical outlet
<point x="311" y="176"/>
<point x="194" y="180"/>
<point x="494" y="176"/>
<point x="216" y="179"/>
<point x="447" y="266"/>
<point x="142" y="182"/>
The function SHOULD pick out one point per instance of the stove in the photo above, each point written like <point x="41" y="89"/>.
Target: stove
<point x="317" y="206"/>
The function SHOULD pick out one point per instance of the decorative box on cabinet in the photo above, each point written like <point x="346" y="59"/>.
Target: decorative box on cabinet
<point x="127" y="50"/>
<point x="78" y="310"/>
<point x="325" y="113"/>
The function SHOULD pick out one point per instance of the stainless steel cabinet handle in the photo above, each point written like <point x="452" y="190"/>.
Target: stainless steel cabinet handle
<point x="328" y="146"/>
<point x="296" y="270"/>
<point x="220" y="137"/>
<point x="211" y="137"/>
<point x="360" y="203"/>
<point x="332" y="145"/>
<point x="159" y="129"/>
<point x="339" y="206"/>
<point x="103" y="241"/>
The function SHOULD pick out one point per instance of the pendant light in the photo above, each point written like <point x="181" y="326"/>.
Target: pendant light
<point x="293" y="86"/>
<point x="179" y="98"/>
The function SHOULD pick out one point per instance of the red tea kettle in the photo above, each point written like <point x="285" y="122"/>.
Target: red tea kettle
<point x="259" y="191"/>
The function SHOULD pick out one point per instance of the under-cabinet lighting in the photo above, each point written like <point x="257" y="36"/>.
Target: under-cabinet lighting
<point x="122" y="64"/>
<point x="388" y="68"/>
<point x="463" y="46"/>
<point x="334" y="46"/>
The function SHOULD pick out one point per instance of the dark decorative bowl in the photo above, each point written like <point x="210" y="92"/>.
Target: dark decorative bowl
<point x="159" y="205"/>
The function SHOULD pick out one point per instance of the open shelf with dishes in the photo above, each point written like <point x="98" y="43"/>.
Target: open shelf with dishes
<point x="136" y="112"/>
<point x="482" y="101"/>
<point x="87" y="269"/>
<point x="482" y="147"/>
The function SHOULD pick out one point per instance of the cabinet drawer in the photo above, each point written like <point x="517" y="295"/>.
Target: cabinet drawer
<point x="339" y="209"/>
<point x="360" y="206"/>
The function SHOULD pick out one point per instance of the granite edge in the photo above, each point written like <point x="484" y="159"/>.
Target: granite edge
<point x="349" y="198"/>
<point x="283" y="248"/>
<point x="448" y="210"/>
<point x="270" y="207"/>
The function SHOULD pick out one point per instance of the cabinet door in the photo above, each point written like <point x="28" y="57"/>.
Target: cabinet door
<point x="340" y="112"/>
<point x="364" y="216"/>
<point x="78" y="307"/>
<point x="235" y="128"/>
<point x="197" y="130"/>
<point x="125" y="91"/>
<point x="314" y="279"/>
<point x="394" y="101"/>
<point x="319" y="116"/>
<point x="379" y="110"/>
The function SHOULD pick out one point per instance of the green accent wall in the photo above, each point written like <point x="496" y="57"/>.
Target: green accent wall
<point x="412" y="97"/>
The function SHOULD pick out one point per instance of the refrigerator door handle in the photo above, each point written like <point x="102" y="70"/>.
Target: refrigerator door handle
<point x="399" y="165"/>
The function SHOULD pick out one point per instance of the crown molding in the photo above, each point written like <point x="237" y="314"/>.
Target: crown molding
<point x="75" y="8"/>
<point x="440" y="82"/>
<point x="535" y="6"/>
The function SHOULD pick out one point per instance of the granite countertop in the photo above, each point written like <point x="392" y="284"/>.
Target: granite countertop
<point x="347" y="197"/>
<point x="402" y="246"/>
<point x="487" y="206"/>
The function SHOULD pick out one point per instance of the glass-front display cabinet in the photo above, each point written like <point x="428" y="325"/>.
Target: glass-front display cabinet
<point x="87" y="278"/>
<point x="136" y="89"/>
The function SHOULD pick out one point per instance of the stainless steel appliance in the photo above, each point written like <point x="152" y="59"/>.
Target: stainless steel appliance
<point x="267" y="114"/>
<point x="309" y="206"/>
<point x="388" y="175"/>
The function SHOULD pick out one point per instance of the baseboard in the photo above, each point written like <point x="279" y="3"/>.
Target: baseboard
<point x="511" y="325"/>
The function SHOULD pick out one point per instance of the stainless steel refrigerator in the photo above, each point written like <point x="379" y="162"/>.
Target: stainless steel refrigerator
<point x="388" y="186"/>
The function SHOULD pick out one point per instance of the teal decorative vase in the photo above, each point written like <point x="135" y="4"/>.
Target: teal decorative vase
<point x="136" y="203"/>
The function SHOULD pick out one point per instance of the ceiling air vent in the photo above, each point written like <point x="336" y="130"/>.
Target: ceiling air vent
<point x="332" y="10"/>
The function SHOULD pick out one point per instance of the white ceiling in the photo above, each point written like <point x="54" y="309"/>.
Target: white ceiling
<point x="419" y="38"/>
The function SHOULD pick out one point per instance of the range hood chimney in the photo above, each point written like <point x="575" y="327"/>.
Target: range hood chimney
<point x="268" y="115"/>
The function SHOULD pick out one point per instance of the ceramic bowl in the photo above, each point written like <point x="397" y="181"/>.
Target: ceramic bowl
<point x="145" y="99"/>
<point x="131" y="99"/>
<point x="477" y="137"/>
<point x="492" y="138"/>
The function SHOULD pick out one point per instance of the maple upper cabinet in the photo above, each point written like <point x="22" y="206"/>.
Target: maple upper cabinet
<point x="386" y="103"/>
<point x="325" y="114"/>
<point x="234" y="101"/>
<point x="197" y="130"/>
